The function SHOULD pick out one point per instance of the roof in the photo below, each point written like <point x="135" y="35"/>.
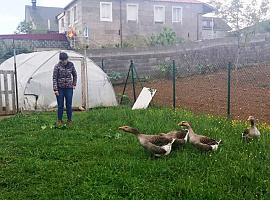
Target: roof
<point x="49" y="36"/>
<point x="260" y="27"/>
<point x="70" y="4"/>
<point x="39" y="15"/>
<point x="182" y="1"/>
<point x="219" y="24"/>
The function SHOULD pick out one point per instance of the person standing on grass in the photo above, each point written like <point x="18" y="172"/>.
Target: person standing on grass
<point x="64" y="82"/>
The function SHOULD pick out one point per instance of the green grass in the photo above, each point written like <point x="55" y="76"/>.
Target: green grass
<point x="93" y="160"/>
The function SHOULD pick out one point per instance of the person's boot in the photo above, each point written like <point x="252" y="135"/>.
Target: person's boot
<point x="69" y="123"/>
<point x="59" y="123"/>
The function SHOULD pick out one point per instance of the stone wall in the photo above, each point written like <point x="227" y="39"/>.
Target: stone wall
<point x="190" y="58"/>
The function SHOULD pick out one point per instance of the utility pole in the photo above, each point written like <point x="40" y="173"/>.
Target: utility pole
<point x="121" y="26"/>
<point x="212" y="27"/>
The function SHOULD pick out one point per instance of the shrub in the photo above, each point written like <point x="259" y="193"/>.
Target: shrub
<point x="115" y="76"/>
<point x="166" y="70"/>
<point x="166" y="38"/>
<point x="125" y="99"/>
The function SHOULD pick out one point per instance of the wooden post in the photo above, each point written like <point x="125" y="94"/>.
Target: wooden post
<point x="174" y="85"/>
<point x="13" y="92"/>
<point x="1" y="100"/>
<point x="229" y="91"/>
<point x="16" y="79"/>
<point x="6" y="92"/>
<point x="83" y="83"/>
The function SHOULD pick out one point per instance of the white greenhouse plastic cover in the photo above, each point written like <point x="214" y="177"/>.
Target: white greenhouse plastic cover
<point x="35" y="89"/>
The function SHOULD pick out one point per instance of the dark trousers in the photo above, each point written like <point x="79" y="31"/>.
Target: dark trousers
<point x="64" y="94"/>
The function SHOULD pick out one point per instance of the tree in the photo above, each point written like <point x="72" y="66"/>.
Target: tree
<point x="239" y="15"/>
<point x="24" y="27"/>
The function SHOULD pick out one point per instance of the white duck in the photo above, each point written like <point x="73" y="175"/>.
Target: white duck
<point x="252" y="132"/>
<point x="200" y="141"/>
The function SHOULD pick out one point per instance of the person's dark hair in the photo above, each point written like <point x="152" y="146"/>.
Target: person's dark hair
<point x="63" y="56"/>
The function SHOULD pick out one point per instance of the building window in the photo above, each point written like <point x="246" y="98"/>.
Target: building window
<point x="75" y="16"/>
<point x="106" y="11"/>
<point x="132" y="12"/>
<point x="62" y="23"/>
<point x="68" y="18"/>
<point x="86" y="32"/>
<point x="208" y="24"/>
<point x="159" y="14"/>
<point x="177" y="14"/>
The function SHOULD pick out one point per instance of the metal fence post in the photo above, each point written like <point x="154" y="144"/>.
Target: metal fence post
<point x="229" y="91"/>
<point x="174" y="84"/>
<point x="133" y="80"/>
<point x="129" y="69"/>
<point x="102" y="64"/>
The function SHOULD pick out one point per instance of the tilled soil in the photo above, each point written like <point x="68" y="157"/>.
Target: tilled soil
<point x="250" y="93"/>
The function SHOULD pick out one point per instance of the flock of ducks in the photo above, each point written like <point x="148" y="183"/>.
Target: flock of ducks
<point x="163" y="143"/>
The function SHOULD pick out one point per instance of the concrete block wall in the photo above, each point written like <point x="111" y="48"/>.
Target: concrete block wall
<point x="188" y="57"/>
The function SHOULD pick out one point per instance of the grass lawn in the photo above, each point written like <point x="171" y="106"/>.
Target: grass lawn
<point x="93" y="160"/>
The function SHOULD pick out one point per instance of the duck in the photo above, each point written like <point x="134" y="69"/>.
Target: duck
<point x="201" y="142"/>
<point x="252" y="132"/>
<point x="157" y="145"/>
<point x="180" y="136"/>
<point x="167" y="148"/>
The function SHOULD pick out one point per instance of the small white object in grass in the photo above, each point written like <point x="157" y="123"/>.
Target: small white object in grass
<point x="144" y="98"/>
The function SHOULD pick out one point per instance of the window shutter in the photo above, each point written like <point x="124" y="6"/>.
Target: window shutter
<point x="159" y="14"/>
<point x="132" y="12"/>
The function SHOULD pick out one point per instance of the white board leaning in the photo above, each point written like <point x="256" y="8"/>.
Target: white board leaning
<point x="144" y="98"/>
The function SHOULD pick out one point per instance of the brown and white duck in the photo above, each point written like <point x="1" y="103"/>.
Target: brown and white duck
<point x="157" y="145"/>
<point x="252" y="132"/>
<point x="179" y="134"/>
<point x="200" y="141"/>
<point x="180" y="137"/>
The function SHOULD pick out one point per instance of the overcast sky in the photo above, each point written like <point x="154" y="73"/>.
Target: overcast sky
<point x="12" y="12"/>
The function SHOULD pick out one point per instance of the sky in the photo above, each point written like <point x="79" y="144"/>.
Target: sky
<point x="12" y="12"/>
